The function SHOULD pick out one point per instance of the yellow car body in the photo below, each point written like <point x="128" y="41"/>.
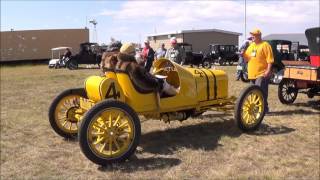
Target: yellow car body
<point x="199" y="90"/>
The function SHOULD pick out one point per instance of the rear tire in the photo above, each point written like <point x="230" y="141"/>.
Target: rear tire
<point x="221" y="62"/>
<point x="67" y="101"/>
<point x="287" y="91"/>
<point x="72" y="64"/>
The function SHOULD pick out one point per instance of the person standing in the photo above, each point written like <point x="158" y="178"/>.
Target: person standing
<point x="260" y="59"/>
<point x="175" y="53"/>
<point x="147" y="55"/>
<point x="161" y="52"/>
<point x="241" y="61"/>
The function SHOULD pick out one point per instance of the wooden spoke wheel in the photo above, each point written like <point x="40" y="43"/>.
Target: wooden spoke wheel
<point x="110" y="132"/>
<point x="63" y="112"/>
<point x="250" y="108"/>
<point x="287" y="91"/>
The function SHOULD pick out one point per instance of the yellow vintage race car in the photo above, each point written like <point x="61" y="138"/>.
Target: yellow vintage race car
<point x="105" y="113"/>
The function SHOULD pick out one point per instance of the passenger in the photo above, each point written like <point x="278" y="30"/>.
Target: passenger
<point x="260" y="59"/>
<point x="140" y="76"/>
<point x="176" y="53"/>
<point x="161" y="52"/>
<point x="109" y="58"/>
<point x="147" y="55"/>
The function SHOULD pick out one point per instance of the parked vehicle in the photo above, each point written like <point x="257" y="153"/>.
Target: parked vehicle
<point x="303" y="78"/>
<point x="192" y="58"/>
<point x="57" y="59"/>
<point x="221" y="54"/>
<point x="108" y="107"/>
<point x="300" y="52"/>
<point x="90" y="53"/>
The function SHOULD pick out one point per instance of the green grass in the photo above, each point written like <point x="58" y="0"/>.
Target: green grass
<point x="209" y="147"/>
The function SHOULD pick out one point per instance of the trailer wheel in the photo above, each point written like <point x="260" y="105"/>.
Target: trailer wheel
<point x="287" y="91"/>
<point x="250" y="108"/>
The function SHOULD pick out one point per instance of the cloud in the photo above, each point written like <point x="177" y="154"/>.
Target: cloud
<point x="272" y="16"/>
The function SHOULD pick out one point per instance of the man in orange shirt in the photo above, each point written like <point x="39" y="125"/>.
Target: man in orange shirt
<point x="260" y="59"/>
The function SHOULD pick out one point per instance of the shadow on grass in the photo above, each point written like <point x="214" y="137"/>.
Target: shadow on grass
<point x="314" y="104"/>
<point x="291" y="112"/>
<point x="265" y="129"/>
<point x="204" y="136"/>
<point x="144" y="164"/>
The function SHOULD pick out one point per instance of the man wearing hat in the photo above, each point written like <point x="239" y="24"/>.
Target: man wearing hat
<point x="260" y="59"/>
<point x="175" y="53"/>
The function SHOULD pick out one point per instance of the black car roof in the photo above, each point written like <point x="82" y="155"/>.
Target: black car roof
<point x="313" y="37"/>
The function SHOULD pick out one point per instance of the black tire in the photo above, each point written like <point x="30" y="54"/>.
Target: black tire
<point x="221" y="62"/>
<point x="84" y="128"/>
<point x="78" y="91"/>
<point x="231" y="62"/>
<point x="239" y="108"/>
<point x="244" y="77"/>
<point x="206" y="64"/>
<point x="287" y="91"/>
<point x="72" y="64"/>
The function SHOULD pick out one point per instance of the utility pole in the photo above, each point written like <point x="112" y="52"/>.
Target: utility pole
<point x="245" y="19"/>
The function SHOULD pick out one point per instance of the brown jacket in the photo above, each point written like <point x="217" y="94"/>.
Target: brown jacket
<point x="108" y="61"/>
<point x="142" y="80"/>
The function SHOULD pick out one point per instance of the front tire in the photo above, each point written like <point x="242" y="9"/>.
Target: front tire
<point x="287" y="91"/>
<point x="250" y="108"/>
<point x="221" y="62"/>
<point x="72" y="64"/>
<point x="110" y="132"/>
<point x="63" y="110"/>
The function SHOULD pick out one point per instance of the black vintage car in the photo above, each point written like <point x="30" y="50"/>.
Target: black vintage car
<point x="192" y="58"/>
<point x="221" y="54"/>
<point x="90" y="53"/>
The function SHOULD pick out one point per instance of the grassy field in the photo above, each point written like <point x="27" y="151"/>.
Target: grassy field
<point x="210" y="147"/>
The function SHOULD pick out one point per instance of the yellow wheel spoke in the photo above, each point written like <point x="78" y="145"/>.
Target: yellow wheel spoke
<point x="123" y="124"/>
<point x="98" y="126"/>
<point x="102" y="147"/>
<point x="110" y="120"/>
<point x="116" y="143"/>
<point x="118" y="118"/>
<point x="99" y="139"/>
<point x="64" y="123"/>
<point x="97" y="133"/>
<point x="110" y="145"/>
<point x="257" y="100"/>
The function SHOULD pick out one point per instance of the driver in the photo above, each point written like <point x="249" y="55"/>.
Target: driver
<point x="140" y="76"/>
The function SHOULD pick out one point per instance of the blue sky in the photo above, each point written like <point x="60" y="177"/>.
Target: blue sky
<point x="133" y="20"/>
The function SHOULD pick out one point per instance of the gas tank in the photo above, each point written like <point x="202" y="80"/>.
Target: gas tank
<point x="210" y="84"/>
